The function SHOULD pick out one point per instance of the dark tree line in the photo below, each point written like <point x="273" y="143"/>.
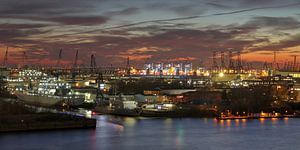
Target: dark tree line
<point x="137" y="86"/>
<point x="255" y="100"/>
<point x="3" y="88"/>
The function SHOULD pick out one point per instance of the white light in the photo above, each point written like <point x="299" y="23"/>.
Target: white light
<point x="221" y="74"/>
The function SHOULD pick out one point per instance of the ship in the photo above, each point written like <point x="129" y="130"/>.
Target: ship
<point x="50" y="92"/>
<point x="159" y="110"/>
<point x="120" y="105"/>
<point x="171" y="110"/>
<point x="50" y="100"/>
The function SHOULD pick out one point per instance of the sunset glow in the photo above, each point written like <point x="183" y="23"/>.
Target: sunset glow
<point x="148" y="30"/>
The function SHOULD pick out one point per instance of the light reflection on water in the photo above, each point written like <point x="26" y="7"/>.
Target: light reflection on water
<point x="164" y="133"/>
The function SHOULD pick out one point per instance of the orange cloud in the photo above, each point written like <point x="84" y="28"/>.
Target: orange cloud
<point x="144" y="50"/>
<point x="182" y="59"/>
<point x="137" y="57"/>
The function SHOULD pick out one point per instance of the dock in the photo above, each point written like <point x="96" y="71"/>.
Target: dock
<point x="15" y="117"/>
<point x="31" y="122"/>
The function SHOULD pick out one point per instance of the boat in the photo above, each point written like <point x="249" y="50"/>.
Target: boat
<point x="50" y="100"/>
<point x="160" y="110"/>
<point x="120" y="105"/>
<point x="173" y="110"/>
<point x="50" y="92"/>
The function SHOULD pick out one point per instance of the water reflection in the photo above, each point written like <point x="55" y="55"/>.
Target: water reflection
<point x="274" y="121"/>
<point x="228" y="123"/>
<point x="286" y="120"/>
<point x="161" y="133"/>
<point x="168" y="123"/>
<point x="179" y="136"/>
<point x="262" y="121"/>
<point x="242" y="123"/>
<point x="237" y="122"/>
<point x="129" y="121"/>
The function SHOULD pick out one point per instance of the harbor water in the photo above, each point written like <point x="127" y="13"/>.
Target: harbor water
<point x="116" y="133"/>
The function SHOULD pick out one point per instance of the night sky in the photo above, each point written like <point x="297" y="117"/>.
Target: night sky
<point x="148" y="30"/>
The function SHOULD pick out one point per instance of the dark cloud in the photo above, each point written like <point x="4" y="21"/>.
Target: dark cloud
<point x="171" y="44"/>
<point x="69" y="20"/>
<point x="202" y="16"/>
<point x="185" y="43"/>
<point x="67" y="12"/>
<point x="77" y="20"/>
<point x="277" y="23"/>
<point x="126" y="11"/>
<point x="292" y="41"/>
<point x="18" y="35"/>
<point x="9" y="26"/>
<point x="7" y="35"/>
<point x="257" y="2"/>
<point x="181" y="8"/>
<point x="252" y="3"/>
<point x="45" y="7"/>
<point x="218" y="5"/>
<point x="191" y="9"/>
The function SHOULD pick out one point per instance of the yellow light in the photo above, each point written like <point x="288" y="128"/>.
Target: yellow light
<point x="87" y="83"/>
<point x="262" y="119"/>
<point x="221" y="74"/>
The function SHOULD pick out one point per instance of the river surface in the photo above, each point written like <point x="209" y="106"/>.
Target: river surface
<point x="125" y="133"/>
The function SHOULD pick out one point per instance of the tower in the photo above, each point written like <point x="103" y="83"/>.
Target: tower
<point x="214" y="59"/>
<point x="239" y="61"/>
<point x="5" y="61"/>
<point x="75" y="65"/>
<point x="128" y="66"/>
<point x="93" y="63"/>
<point x="24" y="58"/>
<point x="223" y="66"/>
<point x="231" y="64"/>
<point x="274" y="60"/>
<point x="294" y="62"/>
<point x="59" y="58"/>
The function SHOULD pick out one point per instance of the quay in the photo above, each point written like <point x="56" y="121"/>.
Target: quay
<point x="15" y="117"/>
<point x="255" y="117"/>
<point x="44" y="122"/>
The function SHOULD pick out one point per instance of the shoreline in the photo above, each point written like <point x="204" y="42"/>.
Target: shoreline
<point x="16" y="117"/>
<point x="256" y="117"/>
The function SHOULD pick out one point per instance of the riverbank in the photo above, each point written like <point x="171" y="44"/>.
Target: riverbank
<point x="257" y="117"/>
<point x="16" y="117"/>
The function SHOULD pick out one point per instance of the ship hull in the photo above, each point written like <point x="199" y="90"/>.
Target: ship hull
<point x="49" y="101"/>
<point x="117" y="112"/>
<point x="39" y="100"/>
<point x="184" y="111"/>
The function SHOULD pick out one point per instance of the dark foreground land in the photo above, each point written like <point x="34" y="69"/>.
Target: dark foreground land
<point x="15" y="117"/>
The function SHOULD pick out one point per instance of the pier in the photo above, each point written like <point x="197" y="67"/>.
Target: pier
<point x="15" y="117"/>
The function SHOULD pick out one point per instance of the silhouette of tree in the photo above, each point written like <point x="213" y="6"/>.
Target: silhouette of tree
<point x="3" y="87"/>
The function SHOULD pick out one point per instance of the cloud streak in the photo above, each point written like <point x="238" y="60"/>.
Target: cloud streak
<point x="202" y="16"/>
